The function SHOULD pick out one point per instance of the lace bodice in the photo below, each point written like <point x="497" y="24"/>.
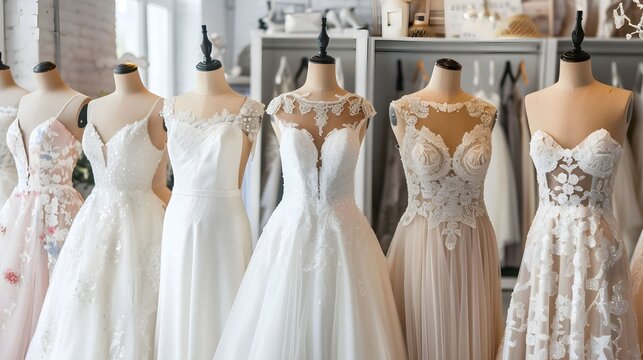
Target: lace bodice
<point x="332" y="182"/>
<point x="206" y="153"/>
<point x="578" y="176"/>
<point x="444" y="189"/>
<point x="7" y="116"/>
<point x="127" y="162"/>
<point x="52" y="154"/>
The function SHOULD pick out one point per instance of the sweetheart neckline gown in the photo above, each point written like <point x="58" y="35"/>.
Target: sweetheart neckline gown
<point x="573" y="298"/>
<point x="34" y="224"/>
<point x="103" y="295"/>
<point x="317" y="284"/>
<point x="444" y="258"/>
<point x="207" y="240"/>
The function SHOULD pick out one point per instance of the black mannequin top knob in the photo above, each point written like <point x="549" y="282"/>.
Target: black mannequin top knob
<point x="44" y="67"/>
<point x="125" y="68"/>
<point x="449" y="64"/>
<point x="208" y="64"/>
<point x="576" y="54"/>
<point x="3" y="66"/>
<point x="322" y="42"/>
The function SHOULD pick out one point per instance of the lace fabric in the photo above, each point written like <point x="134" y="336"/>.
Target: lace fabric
<point x="444" y="188"/>
<point x="7" y="116"/>
<point x="572" y="298"/>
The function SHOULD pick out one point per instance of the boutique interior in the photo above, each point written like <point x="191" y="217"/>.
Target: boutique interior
<point x="379" y="52"/>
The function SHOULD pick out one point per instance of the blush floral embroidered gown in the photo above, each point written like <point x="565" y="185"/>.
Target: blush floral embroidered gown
<point x="206" y="233"/>
<point x="8" y="172"/>
<point x="103" y="295"/>
<point x="572" y="299"/>
<point x="444" y="257"/>
<point x="33" y="226"/>
<point x="317" y="285"/>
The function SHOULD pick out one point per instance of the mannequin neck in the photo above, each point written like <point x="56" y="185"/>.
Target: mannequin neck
<point x="128" y="83"/>
<point x="6" y="80"/>
<point x="575" y="74"/>
<point x="446" y="82"/>
<point x="321" y="78"/>
<point x="49" y="81"/>
<point x="211" y="83"/>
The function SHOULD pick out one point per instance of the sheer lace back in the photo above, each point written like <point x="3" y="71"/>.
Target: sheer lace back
<point x="445" y="189"/>
<point x="578" y="176"/>
<point x="7" y="116"/>
<point x="212" y="146"/>
<point x="128" y="161"/>
<point x="333" y="180"/>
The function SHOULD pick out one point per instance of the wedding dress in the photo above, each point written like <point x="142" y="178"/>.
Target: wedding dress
<point x="102" y="300"/>
<point x="8" y="173"/>
<point x="33" y="226"/>
<point x="206" y="233"/>
<point x="444" y="257"/>
<point x="572" y="299"/>
<point x="317" y="284"/>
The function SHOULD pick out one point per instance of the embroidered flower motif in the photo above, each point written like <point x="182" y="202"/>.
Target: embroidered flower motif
<point x="11" y="277"/>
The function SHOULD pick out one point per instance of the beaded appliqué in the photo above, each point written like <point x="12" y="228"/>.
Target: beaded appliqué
<point x="445" y="189"/>
<point x="287" y="101"/>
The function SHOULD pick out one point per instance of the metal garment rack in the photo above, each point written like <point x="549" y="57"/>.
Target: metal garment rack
<point x="266" y="52"/>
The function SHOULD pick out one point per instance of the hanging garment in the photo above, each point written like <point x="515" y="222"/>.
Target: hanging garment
<point x="317" y="286"/>
<point x="206" y="233"/>
<point x="103" y="295"/>
<point x="33" y="226"/>
<point x="444" y="257"/>
<point x="573" y="299"/>
<point x="8" y="173"/>
<point x="636" y="134"/>
<point x="500" y="196"/>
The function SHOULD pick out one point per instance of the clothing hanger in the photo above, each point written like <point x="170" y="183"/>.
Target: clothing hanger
<point x="303" y="65"/>
<point x="507" y="74"/>
<point x="420" y="72"/>
<point x="522" y="72"/>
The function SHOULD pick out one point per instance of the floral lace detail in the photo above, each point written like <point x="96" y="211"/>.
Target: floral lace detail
<point x="356" y="104"/>
<point x="444" y="189"/>
<point x="572" y="298"/>
<point x="247" y="119"/>
<point x="7" y="116"/>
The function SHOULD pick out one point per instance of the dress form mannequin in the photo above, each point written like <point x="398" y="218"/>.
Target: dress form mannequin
<point x="577" y="104"/>
<point x="212" y="95"/>
<point x="320" y="85"/>
<point x="10" y="92"/>
<point x="49" y="98"/>
<point x="131" y="102"/>
<point x="443" y="88"/>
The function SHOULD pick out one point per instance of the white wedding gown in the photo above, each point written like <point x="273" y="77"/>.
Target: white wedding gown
<point x="103" y="295"/>
<point x="8" y="172"/>
<point x="206" y="233"/>
<point x="572" y="299"/>
<point x="317" y="286"/>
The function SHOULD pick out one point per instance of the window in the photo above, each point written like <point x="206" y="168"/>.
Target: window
<point x="144" y="36"/>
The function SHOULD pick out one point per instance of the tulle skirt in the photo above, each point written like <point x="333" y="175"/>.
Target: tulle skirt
<point x="572" y="299"/>
<point x="316" y="287"/>
<point x="206" y="247"/>
<point x="8" y="181"/>
<point x="449" y="301"/>
<point x="33" y="226"/>
<point x="103" y="295"/>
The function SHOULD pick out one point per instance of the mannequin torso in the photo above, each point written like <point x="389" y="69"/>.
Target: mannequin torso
<point x="320" y="86"/>
<point x="47" y="101"/>
<point x="211" y="96"/>
<point x="131" y="102"/>
<point x="578" y="105"/>
<point x="10" y="92"/>
<point x="444" y="87"/>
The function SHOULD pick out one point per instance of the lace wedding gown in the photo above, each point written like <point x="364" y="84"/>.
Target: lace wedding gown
<point x="33" y="226"/>
<point x="8" y="173"/>
<point x="444" y="257"/>
<point x="572" y="299"/>
<point x="206" y="234"/>
<point x="102" y="300"/>
<point x="317" y="284"/>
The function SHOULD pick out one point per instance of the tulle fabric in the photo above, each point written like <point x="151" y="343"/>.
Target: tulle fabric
<point x="449" y="301"/>
<point x="8" y="181"/>
<point x="105" y="285"/>
<point x="316" y="288"/>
